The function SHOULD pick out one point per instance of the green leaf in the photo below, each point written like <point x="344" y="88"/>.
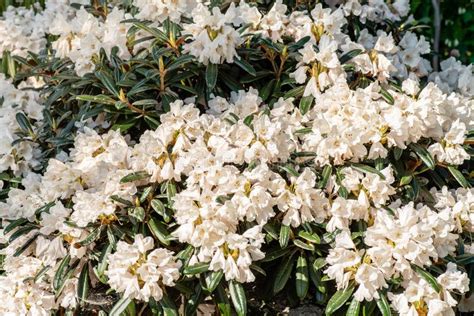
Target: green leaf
<point x="354" y="308"/>
<point x="159" y="231"/>
<point x="303" y="245"/>
<point x="349" y="55"/>
<point x="305" y="104"/>
<point x="295" y="92"/>
<point x="319" y="263"/>
<point x="193" y="302"/>
<point x="310" y="237"/>
<point x="427" y="277"/>
<point x="275" y="254"/>
<point x="153" y="31"/>
<point x="424" y="155"/>
<point x="406" y="180"/>
<point x="93" y="235"/>
<point x="59" y="276"/>
<point x="120" y="306"/>
<point x="283" y="274"/>
<point x="267" y="89"/>
<point x="211" y="75"/>
<point x="327" y="171"/>
<point x="24" y="123"/>
<point x="223" y="303"/>
<point x="83" y="283"/>
<point x="137" y="214"/>
<point x="196" y="268"/>
<point x="20" y="232"/>
<point x="25" y="246"/>
<point x="338" y="299"/>
<point x="237" y="295"/>
<point x="242" y="63"/>
<point x="284" y="235"/>
<point x="169" y="307"/>
<point x="289" y="169"/>
<point x="134" y="176"/>
<point x="178" y="62"/>
<point x="364" y="169"/>
<point x="212" y="280"/>
<point x="102" y="99"/>
<point x="459" y="177"/>
<point x="302" y="277"/>
<point x="41" y="273"/>
<point x="383" y="305"/>
<point x="387" y="96"/>
<point x="158" y="206"/>
<point x="108" y="82"/>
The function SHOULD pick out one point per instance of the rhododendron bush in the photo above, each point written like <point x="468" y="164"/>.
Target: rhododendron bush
<point x="186" y="157"/>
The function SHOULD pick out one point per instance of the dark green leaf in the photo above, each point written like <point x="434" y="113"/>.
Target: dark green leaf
<point x="284" y="235"/>
<point x="302" y="277"/>
<point x="384" y="305"/>
<point x="459" y="177"/>
<point x="239" y="300"/>
<point x="338" y="299"/>
<point x="211" y="75"/>
<point x="424" y="155"/>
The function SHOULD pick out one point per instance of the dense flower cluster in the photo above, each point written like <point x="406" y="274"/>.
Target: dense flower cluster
<point x="340" y="170"/>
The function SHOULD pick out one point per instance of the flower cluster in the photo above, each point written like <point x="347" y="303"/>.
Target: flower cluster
<point x="168" y="156"/>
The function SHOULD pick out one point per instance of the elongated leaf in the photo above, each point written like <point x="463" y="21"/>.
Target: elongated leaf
<point x="365" y="169"/>
<point x="424" y="155"/>
<point x="275" y="254"/>
<point x="211" y="75"/>
<point x="305" y="104"/>
<point x="319" y="263"/>
<point x="102" y="99"/>
<point x="59" y="276"/>
<point x="120" y="306"/>
<point x="24" y="122"/>
<point x="25" y="246"/>
<point x="178" y="62"/>
<point x="428" y="277"/>
<point x="302" y="277"/>
<point x="284" y="235"/>
<point x="295" y="92"/>
<point x="108" y="82"/>
<point x="327" y="171"/>
<point x="169" y="307"/>
<point x="459" y="177"/>
<point x="213" y="279"/>
<point x="237" y="295"/>
<point x="93" y="235"/>
<point x="223" y="303"/>
<point x="354" y="308"/>
<point x="83" y="283"/>
<point x="196" y="268"/>
<point x="301" y="244"/>
<point x="310" y="237"/>
<point x="349" y="55"/>
<point x="283" y="274"/>
<point x="21" y="232"/>
<point x="242" y="63"/>
<point x="288" y="168"/>
<point x="387" y="96"/>
<point x="338" y="299"/>
<point x="134" y="176"/>
<point x="384" y="305"/>
<point x="159" y="231"/>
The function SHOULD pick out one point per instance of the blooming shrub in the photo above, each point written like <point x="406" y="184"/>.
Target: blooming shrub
<point x="180" y="157"/>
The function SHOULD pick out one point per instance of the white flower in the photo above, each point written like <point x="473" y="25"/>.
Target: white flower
<point x="213" y="38"/>
<point x="139" y="271"/>
<point x="299" y="200"/>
